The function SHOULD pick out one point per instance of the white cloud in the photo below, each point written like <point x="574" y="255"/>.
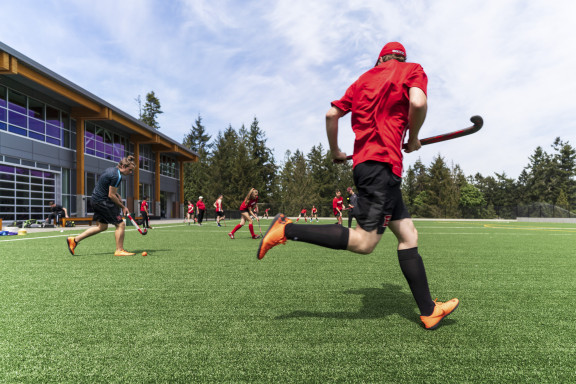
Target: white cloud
<point x="284" y="61"/>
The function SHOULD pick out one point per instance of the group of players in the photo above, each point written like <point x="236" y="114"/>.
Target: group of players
<point x="388" y="103"/>
<point x="249" y="211"/>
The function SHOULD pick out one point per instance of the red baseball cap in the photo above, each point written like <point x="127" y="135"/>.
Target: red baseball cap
<point x="393" y="48"/>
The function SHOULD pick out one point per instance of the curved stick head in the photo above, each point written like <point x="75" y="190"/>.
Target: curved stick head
<point x="478" y="121"/>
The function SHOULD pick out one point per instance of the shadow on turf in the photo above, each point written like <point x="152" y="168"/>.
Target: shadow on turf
<point x="376" y="303"/>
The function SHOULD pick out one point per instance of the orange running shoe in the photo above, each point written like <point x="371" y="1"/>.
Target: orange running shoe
<point x="122" y="252"/>
<point x="274" y="235"/>
<point x="441" y="310"/>
<point x="71" y="245"/>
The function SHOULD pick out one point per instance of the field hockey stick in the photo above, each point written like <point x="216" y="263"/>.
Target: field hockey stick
<point x="476" y="120"/>
<point x="137" y="226"/>
<point x="259" y="227"/>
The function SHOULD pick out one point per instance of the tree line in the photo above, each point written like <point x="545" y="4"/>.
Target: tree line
<point x="239" y="159"/>
<point x="547" y="182"/>
<point x="236" y="160"/>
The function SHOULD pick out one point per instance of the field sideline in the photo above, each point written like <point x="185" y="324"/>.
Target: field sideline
<point x="201" y="308"/>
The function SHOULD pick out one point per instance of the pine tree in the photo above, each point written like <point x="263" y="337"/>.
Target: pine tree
<point x="150" y="110"/>
<point x="196" y="174"/>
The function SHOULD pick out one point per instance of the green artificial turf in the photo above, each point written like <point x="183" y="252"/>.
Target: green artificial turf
<point x="201" y="308"/>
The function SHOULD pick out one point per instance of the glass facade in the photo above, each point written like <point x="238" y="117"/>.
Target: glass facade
<point x="25" y="193"/>
<point x="103" y="143"/>
<point x="169" y="167"/>
<point x="146" y="158"/>
<point x="26" y="116"/>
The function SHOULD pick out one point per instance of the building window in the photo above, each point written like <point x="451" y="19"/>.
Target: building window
<point x="168" y="166"/>
<point x="146" y="159"/>
<point x="25" y="116"/>
<point x="25" y="193"/>
<point x="103" y="143"/>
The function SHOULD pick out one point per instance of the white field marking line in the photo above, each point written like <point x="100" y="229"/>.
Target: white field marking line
<point x="22" y="238"/>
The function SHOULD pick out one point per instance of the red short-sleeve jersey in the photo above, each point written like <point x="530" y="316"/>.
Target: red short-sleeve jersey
<point x="303" y="211"/>
<point x="144" y="206"/>
<point x="338" y="203"/>
<point x="379" y="102"/>
<point x="251" y="203"/>
<point x="190" y="208"/>
<point x="314" y="210"/>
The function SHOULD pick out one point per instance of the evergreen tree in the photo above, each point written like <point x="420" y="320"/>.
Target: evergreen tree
<point x="196" y="181"/>
<point x="150" y="110"/>
<point x="296" y="184"/>
<point x="223" y="178"/>
<point x="263" y="174"/>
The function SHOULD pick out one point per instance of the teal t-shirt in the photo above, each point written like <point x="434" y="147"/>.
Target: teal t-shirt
<point x="110" y="177"/>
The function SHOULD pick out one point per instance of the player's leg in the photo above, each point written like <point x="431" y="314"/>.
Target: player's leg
<point x="412" y="266"/>
<point x="119" y="235"/>
<point x="244" y="216"/>
<point x="251" y="226"/>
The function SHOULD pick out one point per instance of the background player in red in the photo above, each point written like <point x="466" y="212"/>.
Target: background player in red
<point x="386" y="102"/>
<point x="247" y="213"/>
<point x="338" y="206"/>
<point x="303" y="214"/>
<point x="190" y="212"/>
<point x="314" y="213"/>
<point x="265" y="215"/>
<point x="145" y="212"/>
<point x="200" y="210"/>
<point x="219" y="210"/>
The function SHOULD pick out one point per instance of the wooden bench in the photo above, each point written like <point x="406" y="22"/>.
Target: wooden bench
<point x="76" y="220"/>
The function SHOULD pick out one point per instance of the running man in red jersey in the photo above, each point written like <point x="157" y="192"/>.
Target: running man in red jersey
<point x="338" y="206"/>
<point x="303" y="214"/>
<point x="247" y="212"/>
<point x="314" y="213"/>
<point x="189" y="213"/>
<point x="219" y="210"/>
<point x="386" y="102"/>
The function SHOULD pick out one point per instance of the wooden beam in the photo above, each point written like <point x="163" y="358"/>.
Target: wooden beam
<point x="80" y="187"/>
<point x="8" y="64"/>
<point x="157" y="178"/>
<point x="89" y="114"/>
<point x="58" y="88"/>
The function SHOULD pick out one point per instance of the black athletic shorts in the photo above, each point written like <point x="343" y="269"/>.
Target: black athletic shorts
<point x="379" y="196"/>
<point x="220" y="213"/>
<point x="106" y="212"/>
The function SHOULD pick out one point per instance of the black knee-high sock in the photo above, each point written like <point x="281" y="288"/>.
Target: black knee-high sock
<point x="328" y="236"/>
<point x="413" y="269"/>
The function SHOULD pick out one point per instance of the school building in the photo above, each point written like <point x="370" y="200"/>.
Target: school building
<point x="57" y="138"/>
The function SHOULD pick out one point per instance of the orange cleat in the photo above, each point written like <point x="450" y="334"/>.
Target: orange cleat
<point x="71" y="245"/>
<point x="441" y="310"/>
<point x="274" y="235"/>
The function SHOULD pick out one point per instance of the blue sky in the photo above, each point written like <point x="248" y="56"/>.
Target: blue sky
<point x="284" y="61"/>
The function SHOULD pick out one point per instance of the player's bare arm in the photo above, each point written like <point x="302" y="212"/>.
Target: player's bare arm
<point x="115" y="197"/>
<point x="416" y="117"/>
<point x="332" y="117"/>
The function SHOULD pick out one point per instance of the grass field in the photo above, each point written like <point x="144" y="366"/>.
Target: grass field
<point x="201" y="308"/>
